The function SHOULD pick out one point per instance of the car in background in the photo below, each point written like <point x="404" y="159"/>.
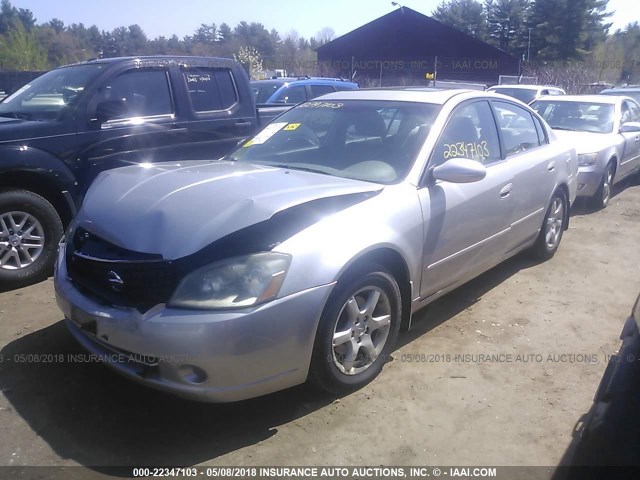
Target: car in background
<point x="633" y="92"/>
<point x="605" y="131"/>
<point x="291" y="91"/>
<point x="526" y="93"/>
<point x="311" y="243"/>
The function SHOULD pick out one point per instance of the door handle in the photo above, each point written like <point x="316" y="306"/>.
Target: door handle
<point x="551" y="167"/>
<point x="506" y="190"/>
<point x="637" y="139"/>
<point x="243" y="124"/>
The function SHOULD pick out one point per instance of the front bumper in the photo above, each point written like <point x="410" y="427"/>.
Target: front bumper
<point x="589" y="179"/>
<point x="201" y="355"/>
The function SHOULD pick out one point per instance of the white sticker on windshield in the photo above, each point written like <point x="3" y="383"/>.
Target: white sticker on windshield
<point x="268" y="132"/>
<point x="16" y="93"/>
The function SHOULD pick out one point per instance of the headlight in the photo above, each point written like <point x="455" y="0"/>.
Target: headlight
<point x="234" y="283"/>
<point x="586" y="159"/>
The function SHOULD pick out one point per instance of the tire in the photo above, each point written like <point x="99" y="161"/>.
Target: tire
<point x="550" y="235"/>
<point x="30" y="229"/>
<point x="340" y="368"/>
<point x="601" y="199"/>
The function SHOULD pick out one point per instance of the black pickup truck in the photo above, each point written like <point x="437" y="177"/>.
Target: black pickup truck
<point x="58" y="132"/>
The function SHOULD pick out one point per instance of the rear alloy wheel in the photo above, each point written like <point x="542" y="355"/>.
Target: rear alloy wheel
<point x="29" y="232"/>
<point x="357" y="332"/>
<point x="552" y="229"/>
<point x="603" y="195"/>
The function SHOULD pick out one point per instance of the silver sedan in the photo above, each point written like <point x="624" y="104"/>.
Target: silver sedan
<point x="300" y="255"/>
<point x="606" y="133"/>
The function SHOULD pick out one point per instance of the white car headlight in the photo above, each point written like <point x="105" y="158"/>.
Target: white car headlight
<point x="233" y="283"/>
<point x="587" y="159"/>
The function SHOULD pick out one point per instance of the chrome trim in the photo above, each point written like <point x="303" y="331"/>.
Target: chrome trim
<point x="470" y="247"/>
<point x="527" y="217"/>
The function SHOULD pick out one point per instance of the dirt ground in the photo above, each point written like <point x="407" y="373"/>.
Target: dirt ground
<point x="548" y="326"/>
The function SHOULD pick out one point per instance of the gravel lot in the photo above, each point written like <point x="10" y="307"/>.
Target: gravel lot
<point x="548" y="326"/>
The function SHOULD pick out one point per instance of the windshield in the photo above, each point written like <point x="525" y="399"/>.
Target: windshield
<point x="262" y="91"/>
<point x="576" y="116"/>
<point x="523" y="94"/>
<point x="375" y="141"/>
<point x="46" y="97"/>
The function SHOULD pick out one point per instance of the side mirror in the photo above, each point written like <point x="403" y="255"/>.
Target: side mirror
<point x="630" y="127"/>
<point x="460" y="170"/>
<point x="111" y="109"/>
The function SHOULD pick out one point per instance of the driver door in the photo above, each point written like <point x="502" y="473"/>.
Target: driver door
<point x="466" y="225"/>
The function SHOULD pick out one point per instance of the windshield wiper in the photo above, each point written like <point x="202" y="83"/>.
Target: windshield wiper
<point x="304" y="169"/>
<point x="565" y="129"/>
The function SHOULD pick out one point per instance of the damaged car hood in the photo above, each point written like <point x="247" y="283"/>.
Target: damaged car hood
<point x="177" y="209"/>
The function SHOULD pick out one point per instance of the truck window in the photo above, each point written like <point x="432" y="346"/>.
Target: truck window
<point x="146" y="92"/>
<point x="318" y="90"/>
<point x="210" y="89"/>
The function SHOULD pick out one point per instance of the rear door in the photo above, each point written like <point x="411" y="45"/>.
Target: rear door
<point x="218" y="113"/>
<point x="467" y="225"/>
<point x="525" y="146"/>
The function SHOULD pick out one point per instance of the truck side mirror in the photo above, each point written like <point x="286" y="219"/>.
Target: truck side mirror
<point x="111" y="109"/>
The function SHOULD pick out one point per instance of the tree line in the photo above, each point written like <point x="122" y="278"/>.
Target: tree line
<point x="554" y="38"/>
<point x="27" y="45"/>
<point x="556" y="33"/>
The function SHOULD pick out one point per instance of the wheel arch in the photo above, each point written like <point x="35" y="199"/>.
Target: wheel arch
<point x="41" y="173"/>
<point x="40" y="185"/>
<point x="395" y="263"/>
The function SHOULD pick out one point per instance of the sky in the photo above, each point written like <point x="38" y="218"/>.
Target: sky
<point x="183" y="17"/>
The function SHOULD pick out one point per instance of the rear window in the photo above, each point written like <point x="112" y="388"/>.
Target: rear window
<point x="525" y="95"/>
<point x="210" y="89"/>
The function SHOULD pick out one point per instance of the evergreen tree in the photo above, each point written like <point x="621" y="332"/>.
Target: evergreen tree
<point x="507" y="24"/>
<point x="468" y="16"/>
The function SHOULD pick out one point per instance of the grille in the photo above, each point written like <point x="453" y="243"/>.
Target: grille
<point x="125" y="278"/>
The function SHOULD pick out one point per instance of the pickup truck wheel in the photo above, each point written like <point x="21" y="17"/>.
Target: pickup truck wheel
<point x="552" y="229"/>
<point x="30" y="229"/>
<point x="357" y="332"/>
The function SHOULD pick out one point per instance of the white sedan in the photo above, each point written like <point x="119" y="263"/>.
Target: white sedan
<point x="605" y="131"/>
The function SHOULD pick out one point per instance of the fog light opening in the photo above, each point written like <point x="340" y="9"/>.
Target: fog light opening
<point x="192" y="374"/>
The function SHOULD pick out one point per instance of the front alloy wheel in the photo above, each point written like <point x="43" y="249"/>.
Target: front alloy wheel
<point x="603" y="195"/>
<point x="21" y="240"/>
<point x="30" y="229"/>
<point x="362" y="330"/>
<point x="357" y="331"/>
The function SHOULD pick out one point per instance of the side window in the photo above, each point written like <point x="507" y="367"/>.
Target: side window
<point x="631" y="111"/>
<point x="144" y="92"/>
<point x="542" y="135"/>
<point x="518" y="130"/>
<point x="292" y="94"/>
<point x="210" y="89"/>
<point x="470" y="133"/>
<point x="317" y="90"/>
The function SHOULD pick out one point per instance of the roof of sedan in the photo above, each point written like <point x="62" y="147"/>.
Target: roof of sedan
<point x="435" y="96"/>
<point x="607" y="99"/>
<point x="523" y="86"/>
